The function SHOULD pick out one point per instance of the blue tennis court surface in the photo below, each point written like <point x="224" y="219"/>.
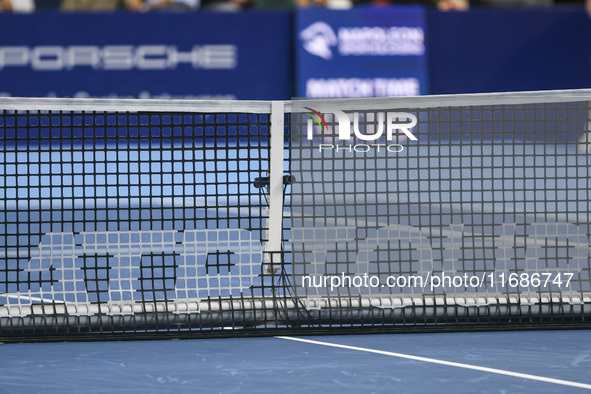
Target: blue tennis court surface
<point x="487" y="362"/>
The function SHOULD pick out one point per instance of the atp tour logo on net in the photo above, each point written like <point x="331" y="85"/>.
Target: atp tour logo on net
<point x="396" y="127"/>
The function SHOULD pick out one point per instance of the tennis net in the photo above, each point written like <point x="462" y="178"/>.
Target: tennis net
<point x="152" y="218"/>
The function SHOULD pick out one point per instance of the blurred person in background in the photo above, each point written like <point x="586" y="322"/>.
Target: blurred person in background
<point x="221" y="5"/>
<point x="237" y="5"/>
<point x="442" y="5"/>
<point x="331" y="4"/>
<point x="162" y="5"/>
<point x="91" y="5"/>
<point x="17" y="5"/>
<point x="452" y="5"/>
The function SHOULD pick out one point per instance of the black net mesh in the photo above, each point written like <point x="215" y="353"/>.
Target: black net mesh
<point x="442" y="216"/>
<point x="130" y="222"/>
<point x="155" y="224"/>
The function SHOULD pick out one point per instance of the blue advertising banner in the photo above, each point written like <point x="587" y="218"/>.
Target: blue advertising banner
<point x="363" y="52"/>
<point x="504" y="50"/>
<point x="367" y="52"/>
<point x="199" y="55"/>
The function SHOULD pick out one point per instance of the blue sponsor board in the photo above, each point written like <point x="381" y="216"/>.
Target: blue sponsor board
<point x="363" y="52"/>
<point x="152" y="55"/>
<point x="505" y="50"/>
<point x="368" y="52"/>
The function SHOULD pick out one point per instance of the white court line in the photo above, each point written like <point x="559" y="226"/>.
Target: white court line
<point x="448" y="363"/>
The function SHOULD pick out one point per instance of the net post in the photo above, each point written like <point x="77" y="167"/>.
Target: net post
<point x="275" y="221"/>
